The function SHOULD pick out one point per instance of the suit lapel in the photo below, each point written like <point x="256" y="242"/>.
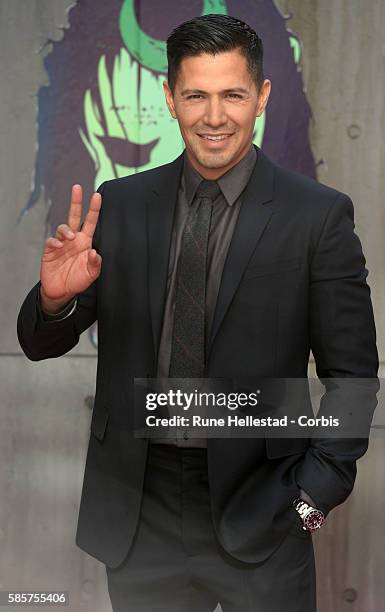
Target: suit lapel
<point x="256" y="210"/>
<point x="160" y="213"/>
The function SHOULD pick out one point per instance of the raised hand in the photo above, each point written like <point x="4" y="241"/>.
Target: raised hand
<point x="69" y="264"/>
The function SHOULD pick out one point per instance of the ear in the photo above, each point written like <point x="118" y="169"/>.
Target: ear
<point x="169" y="99"/>
<point x="263" y="97"/>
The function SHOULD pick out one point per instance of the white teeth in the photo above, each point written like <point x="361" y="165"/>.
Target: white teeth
<point x="215" y="137"/>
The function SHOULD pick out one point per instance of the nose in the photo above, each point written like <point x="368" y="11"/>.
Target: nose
<point x="215" y="115"/>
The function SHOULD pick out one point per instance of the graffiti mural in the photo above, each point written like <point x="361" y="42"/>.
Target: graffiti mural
<point x="103" y="115"/>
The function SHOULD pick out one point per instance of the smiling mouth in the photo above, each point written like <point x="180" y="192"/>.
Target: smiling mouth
<point x="214" y="138"/>
<point x="127" y="153"/>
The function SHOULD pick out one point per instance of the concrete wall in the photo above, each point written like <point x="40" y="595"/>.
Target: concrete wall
<point x="344" y="74"/>
<point x="45" y="408"/>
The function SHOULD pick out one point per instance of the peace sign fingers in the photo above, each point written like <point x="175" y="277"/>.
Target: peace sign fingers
<point x="75" y="211"/>
<point x="92" y="216"/>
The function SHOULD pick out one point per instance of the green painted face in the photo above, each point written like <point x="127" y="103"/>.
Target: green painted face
<point x="133" y="131"/>
<point x="134" y="112"/>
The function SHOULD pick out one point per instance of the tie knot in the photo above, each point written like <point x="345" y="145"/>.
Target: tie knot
<point x="208" y="189"/>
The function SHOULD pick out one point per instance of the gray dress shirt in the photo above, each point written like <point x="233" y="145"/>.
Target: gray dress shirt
<point x="226" y="208"/>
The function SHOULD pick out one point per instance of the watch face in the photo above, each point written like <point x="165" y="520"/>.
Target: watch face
<point x="314" y="520"/>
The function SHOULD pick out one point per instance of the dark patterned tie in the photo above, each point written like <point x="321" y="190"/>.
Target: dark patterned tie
<point x="188" y="337"/>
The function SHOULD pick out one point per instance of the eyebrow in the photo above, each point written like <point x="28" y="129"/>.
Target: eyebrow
<point x="186" y="92"/>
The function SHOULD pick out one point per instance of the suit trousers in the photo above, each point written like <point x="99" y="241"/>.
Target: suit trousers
<point x="176" y="563"/>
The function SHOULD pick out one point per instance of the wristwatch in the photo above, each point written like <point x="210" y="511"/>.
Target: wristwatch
<point x="312" y="518"/>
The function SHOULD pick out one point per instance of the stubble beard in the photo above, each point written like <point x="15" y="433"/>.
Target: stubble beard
<point x="213" y="160"/>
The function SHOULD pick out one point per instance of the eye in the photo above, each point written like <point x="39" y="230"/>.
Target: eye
<point x="194" y="96"/>
<point x="235" y="95"/>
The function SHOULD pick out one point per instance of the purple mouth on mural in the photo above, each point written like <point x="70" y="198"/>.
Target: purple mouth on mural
<point x="127" y="153"/>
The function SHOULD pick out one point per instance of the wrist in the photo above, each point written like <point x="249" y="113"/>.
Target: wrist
<point x="312" y="518"/>
<point x="306" y="498"/>
<point x="50" y="306"/>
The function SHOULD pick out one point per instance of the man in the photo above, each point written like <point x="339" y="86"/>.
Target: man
<point x="218" y="265"/>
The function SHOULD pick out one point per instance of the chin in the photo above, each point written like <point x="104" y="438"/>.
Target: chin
<point x="216" y="160"/>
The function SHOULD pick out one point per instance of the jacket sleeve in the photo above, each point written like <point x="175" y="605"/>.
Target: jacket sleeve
<point x="43" y="338"/>
<point x="343" y="342"/>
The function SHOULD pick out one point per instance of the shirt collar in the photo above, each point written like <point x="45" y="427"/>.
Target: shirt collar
<point x="231" y="184"/>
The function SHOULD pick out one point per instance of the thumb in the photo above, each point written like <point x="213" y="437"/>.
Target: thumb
<point x="94" y="263"/>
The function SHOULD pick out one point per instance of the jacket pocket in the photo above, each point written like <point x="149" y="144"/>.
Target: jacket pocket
<point x="283" y="447"/>
<point x="99" y="420"/>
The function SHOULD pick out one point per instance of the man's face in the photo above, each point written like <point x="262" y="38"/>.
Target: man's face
<point x="216" y="104"/>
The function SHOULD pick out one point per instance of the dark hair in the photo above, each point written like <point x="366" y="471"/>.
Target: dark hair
<point x="214" y="34"/>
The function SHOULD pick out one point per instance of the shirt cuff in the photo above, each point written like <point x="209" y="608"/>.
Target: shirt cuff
<point x="68" y="310"/>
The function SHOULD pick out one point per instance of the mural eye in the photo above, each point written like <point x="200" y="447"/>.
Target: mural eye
<point x="127" y="153"/>
<point x="173" y="13"/>
<point x="144" y="34"/>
